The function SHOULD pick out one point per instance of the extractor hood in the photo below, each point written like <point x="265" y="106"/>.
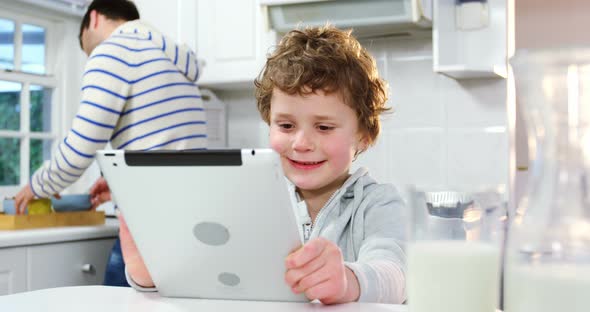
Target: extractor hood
<point x="368" y="18"/>
<point x="68" y="7"/>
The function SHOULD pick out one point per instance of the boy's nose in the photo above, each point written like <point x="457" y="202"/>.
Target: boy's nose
<point x="302" y="142"/>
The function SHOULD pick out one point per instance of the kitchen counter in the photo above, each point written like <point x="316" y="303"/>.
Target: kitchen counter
<point x="15" y="238"/>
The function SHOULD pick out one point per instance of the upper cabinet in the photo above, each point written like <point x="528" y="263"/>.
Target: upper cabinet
<point x="233" y="40"/>
<point x="229" y="37"/>
<point x="470" y="38"/>
<point x="233" y="37"/>
<point x="173" y="18"/>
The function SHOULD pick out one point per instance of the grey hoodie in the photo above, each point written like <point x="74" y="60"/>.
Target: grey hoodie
<point x="367" y="221"/>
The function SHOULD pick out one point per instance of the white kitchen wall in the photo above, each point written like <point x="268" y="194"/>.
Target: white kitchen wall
<point x="443" y="134"/>
<point x="245" y="128"/>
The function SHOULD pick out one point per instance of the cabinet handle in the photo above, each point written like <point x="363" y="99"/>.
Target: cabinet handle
<point x="88" y="268"/>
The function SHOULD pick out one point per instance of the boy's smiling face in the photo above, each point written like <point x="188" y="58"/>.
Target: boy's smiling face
<point x="317" y="138"/>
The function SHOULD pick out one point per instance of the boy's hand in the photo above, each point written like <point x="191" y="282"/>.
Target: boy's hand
<point x="133" y="261"/>
<point x="317" y="269"/>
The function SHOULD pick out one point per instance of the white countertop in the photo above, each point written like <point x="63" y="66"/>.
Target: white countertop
<point x="14" y="238"/>
<point x="115" y="299"/>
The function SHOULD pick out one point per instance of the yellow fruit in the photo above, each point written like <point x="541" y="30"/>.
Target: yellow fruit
<point x="40" y="206"/>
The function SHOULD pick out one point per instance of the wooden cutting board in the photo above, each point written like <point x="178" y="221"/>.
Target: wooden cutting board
<point x="77" y="218"/>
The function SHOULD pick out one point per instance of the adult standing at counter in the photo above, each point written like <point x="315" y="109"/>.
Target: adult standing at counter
<point x="138" y="93"/>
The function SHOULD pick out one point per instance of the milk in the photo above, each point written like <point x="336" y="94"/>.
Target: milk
<point x="453" y="276"/>
<point x="548" y="288"/>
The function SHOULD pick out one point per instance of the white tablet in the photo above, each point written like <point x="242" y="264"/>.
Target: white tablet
<point x="209" y="224"/>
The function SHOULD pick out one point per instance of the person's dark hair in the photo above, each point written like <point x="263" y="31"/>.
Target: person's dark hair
<point x="112" y="9"/>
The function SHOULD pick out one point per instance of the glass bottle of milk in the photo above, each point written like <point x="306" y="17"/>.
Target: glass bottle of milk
<point x="548" y="255"/>
<point x="454" y="250"/>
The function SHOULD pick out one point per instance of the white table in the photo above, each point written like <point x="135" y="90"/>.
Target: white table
<point x="115" y="299"/>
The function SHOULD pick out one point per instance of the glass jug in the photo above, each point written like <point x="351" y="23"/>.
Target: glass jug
<point x="548" y="255"/>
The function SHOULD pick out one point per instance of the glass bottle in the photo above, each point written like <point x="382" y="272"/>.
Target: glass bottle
<point x="548" y="254"/>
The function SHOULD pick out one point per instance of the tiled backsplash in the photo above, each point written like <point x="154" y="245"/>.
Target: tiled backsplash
<point x="443" y="133"/>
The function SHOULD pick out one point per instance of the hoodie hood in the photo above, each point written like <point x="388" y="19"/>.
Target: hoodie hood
<point x="349" y="189"/>
<point x="181" y="55"/>
<point x="346" y="187"/>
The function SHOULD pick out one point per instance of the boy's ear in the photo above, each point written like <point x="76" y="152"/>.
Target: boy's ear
<point x="363" y="143"/>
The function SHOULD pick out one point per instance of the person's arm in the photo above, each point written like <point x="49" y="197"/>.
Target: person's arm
<point x="99" y="193"/>
<point x="103" y="98"/>
<point x="381" y="264"/>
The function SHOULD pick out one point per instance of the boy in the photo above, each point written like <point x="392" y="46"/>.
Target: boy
<point x="322" y="97"/>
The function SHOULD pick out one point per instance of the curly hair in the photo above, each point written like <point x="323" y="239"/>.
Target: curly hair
<point x="328" y="59"/>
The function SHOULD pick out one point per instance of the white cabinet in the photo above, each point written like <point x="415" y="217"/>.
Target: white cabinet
<point x="233" y="39"/>
<point x="173" y="18"/>
<point x="68" y="264"/>
<point x="474" y="46"/>
<point x="53" y="265"/>
<point x="12" y="270"/>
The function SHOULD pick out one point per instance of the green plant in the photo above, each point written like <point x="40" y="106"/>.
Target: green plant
<point x="10" y="147"/>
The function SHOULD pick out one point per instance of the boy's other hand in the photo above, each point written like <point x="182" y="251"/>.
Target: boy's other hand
<point x="133" y="262"/>
<point x="99" y="193"/>
<point x="317" y="269"/>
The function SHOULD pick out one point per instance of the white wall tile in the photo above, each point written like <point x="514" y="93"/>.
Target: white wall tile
<point x="477" y="159"/>
<point x="476" y="103"/>
<point x="382" y="68"/>
<point x="416" y="94"/>
<point x="408" y="156"/>
<point x="244" y="125"/>
<point x="399" y="48"/>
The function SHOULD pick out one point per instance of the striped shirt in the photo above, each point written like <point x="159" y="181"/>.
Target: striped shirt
<point x="138" y="93"/>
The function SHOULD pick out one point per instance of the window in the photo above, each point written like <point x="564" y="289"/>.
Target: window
<point x="6" y="44"/>
<point x="27" y="116"/>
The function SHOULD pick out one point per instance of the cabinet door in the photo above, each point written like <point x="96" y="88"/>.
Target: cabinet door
<point x="163" y="15"/>
<point x="68" y="264"/>
<point x="173" y="18"/>
<point x="232" y="41"/>
<point x="13" y="263"/>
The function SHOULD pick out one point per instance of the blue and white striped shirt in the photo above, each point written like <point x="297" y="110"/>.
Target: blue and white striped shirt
<point x="138" y="93"/>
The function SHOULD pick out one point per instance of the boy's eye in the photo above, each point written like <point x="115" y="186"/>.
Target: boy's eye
<point x="285" y="126"/>
<point x="325" y="128"/>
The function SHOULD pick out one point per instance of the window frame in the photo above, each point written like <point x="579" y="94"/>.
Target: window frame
<point x="47" y="80"/>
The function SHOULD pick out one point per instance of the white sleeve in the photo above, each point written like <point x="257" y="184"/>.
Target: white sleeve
<point x="381" y="263"/>
<point x="103" y="99"/>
